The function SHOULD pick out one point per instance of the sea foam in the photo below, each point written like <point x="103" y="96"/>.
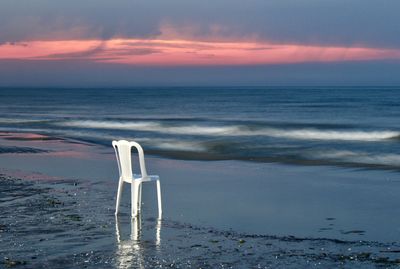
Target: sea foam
<point x="238" y="130"/>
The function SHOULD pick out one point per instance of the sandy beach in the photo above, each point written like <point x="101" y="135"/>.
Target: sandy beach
<point x="58" y="199"/>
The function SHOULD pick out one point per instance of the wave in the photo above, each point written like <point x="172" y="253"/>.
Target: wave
<point x="386" y="159"/>
<point x="335" y="135"/>
<point x="173" y="145"/>
<point x="237" y="130"/>
<point x="154" y="127"/>
<point x="225" y="149"/>
<point x="19" y="121"/>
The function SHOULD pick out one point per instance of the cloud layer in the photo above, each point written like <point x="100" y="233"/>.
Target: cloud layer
<point x="315" y="22"/>
<point x="150" y="52"/>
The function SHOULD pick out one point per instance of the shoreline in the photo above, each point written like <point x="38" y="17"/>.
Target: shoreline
<point x="185" y="154"/>
<point x="260" y="198"/>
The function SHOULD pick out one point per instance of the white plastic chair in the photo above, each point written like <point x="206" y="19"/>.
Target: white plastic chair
<point x="123" y="153"/>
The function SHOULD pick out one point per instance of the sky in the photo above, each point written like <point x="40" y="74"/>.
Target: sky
<point x="123" y="43"/>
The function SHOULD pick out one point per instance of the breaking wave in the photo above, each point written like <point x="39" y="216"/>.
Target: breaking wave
<point x="237" y="130"/>
<point x="388" y="159"/>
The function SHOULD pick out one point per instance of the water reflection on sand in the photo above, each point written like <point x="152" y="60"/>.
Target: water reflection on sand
<point x="131" y="251"/>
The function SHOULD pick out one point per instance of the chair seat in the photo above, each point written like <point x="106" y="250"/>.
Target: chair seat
<point x="148" y="178"/>
<point x="139" y="177"/>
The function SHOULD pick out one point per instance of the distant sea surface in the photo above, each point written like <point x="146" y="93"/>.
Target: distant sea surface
<point x="340" y="126"/>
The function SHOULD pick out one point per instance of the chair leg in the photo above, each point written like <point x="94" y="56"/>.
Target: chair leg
<point x="159" y="199"/>
<point x="120" y="187"/>
<point x="140" y="197"/>
<point x="135" y="228"/>
<point x="135" y="198"/>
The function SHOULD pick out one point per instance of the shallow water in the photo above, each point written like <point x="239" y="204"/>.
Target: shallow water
<point x="68" y="223"/>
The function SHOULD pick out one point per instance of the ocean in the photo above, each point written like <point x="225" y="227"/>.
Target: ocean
<point x="272" y="177"/>
<point x="337" y="126"/>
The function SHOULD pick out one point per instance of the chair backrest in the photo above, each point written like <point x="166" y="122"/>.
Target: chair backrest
<point x="123" y="154"/>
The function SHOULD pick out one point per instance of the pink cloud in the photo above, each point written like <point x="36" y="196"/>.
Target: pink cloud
<point x="175" y="52"/>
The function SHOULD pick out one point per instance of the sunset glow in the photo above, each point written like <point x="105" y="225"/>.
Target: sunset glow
<point x="159" y="52"/>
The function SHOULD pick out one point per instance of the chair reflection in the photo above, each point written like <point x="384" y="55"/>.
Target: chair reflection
<point x="130" y="252"/>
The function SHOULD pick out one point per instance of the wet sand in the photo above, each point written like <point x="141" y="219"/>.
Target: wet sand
<point x="57" y="206"/>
